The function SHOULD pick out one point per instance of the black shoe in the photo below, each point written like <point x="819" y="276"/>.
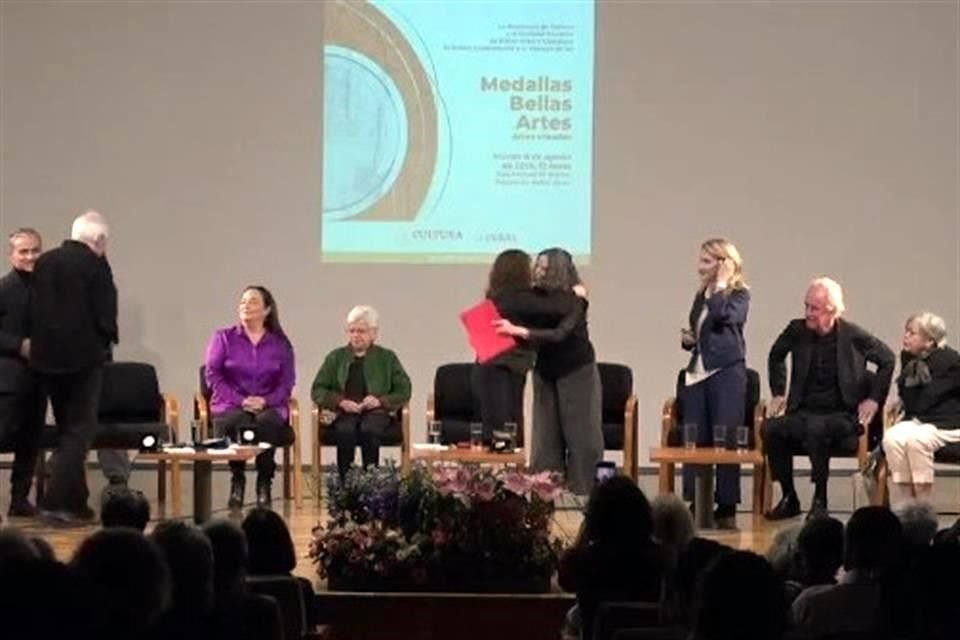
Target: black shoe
<point x="788" y="507"/>
<point x="725" y="516"/>
<point x="21" y="508"/>
<point x="64" y="518"/>
<point x="818" y="509"/>
<point x="263" y="492"/>
<point x="237" y="485"/>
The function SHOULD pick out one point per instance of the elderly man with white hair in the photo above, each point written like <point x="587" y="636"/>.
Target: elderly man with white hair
<point x="832" y="398"/>
<point x="363" y="383"/>
<point x="929" y="389"/>
<point x="73" y="323"/>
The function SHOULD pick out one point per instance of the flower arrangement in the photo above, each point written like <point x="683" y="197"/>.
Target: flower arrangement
<point x="442" y="528"/>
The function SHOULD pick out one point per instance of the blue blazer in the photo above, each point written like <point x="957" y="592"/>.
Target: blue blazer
<point x="720" y="341"/>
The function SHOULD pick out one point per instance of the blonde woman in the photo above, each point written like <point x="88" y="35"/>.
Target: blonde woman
<point x="929" y="388"/>
<point x="716" y="376"/>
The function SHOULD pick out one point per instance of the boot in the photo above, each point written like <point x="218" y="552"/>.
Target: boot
<point x="263" y="490"/>
<point x="238" y="482"/>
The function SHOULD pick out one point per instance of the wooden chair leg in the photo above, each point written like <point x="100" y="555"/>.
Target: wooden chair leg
<point x="767" y="488"/>
<point x="162" y="481"/>
<point x="666" y="477"/>
<point x="287" y="484"/>
<point x="297" y="476"/>
<point x="759" y="475"/>
<point x="316" y="469"/>
<point x="881" y="496"/>
<point x="175" y="486"/>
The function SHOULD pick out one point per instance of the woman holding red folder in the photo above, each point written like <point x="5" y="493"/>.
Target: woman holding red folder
<point x="498" y="383"/>
<point x="567" y="396"/>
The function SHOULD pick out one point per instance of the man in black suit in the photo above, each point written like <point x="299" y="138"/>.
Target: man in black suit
<point x="22" y="405"/>
<point x="73" y="323"/>
<point x="832" y="394"/>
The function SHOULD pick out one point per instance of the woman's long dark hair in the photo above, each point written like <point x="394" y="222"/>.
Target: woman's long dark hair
<point x="269" y="545"/>
<point x="272" y="321"/>
<point x="510" y="270"/>
<point x="561" y="273"/>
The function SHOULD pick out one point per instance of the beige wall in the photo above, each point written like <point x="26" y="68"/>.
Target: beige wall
<point x="821" y="137"/>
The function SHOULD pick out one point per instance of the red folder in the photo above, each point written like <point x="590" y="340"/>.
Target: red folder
<point x="486" y="342"/>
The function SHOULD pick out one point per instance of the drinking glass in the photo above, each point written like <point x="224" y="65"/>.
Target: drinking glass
<point x="690" y="436"/>
<point x="476" y="436"/>
<point x="719" y="437"/>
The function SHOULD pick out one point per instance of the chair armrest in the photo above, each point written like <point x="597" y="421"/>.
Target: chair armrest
<point x="293" y="406"/>
<point x="317" y="423"/>
<point x="631" y="436"/>
<point x="431" y="408"/>
<point x="862" y="446"/>
<point x="320" y="419"/>
<point x="668" y="420"/>
<point x="759" y="417"/>
<point x="892" y="414"/>
<point x="171" y="416"/>
<point x="202" y="412"/>
<point x="405" y="436"/>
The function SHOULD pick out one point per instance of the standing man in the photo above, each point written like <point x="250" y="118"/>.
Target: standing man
<point x="73" y="317"/>
<point x="22" y="405"/>
<point x="833" y="396"/>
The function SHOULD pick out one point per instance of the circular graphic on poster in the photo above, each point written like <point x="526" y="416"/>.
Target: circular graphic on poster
<point x="380" y="114"/>
<point x="365" y="120"/>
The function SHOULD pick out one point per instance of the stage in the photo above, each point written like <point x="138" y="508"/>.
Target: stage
<point x="753" y="533"/>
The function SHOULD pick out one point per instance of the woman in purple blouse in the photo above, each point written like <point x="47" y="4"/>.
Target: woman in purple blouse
<point x="249" y="369"/>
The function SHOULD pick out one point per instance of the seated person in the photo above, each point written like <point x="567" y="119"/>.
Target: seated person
<point x="189" y="556"/>
<point x="238" y="614"/>
<point x="124" y="507"/>
<point x="719" y="610"/>
<point x="614" y="557"/>
<point x="270" y="552"/>
<point x="819" y="555"/>
<point x="831" y="396"/>
<point x="249" y="369"/>
<point x="865" y="600"/>
<point x="363" y="383"/>
<point x="929" y="388"/>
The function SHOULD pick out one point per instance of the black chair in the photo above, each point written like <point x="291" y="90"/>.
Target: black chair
<point x="454" y="405"/>
<point x="131" y="406"/>
<point x="287" y="592"/>
<point x="666" y="633"/>
<point x="671" y="435"/>
<point x="397" y="434"/>
<point x="621" y="423"/>
<point x="949" y="454"/>
<point x="292" y="473"/>
<point x="614" y="616"/>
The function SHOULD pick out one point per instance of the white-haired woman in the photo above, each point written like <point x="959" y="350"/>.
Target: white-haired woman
<point x="929" y="387"/>
<point x="363" y="383"/>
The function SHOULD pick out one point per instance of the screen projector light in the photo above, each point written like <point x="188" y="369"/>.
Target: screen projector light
<point x="248" y="436"/>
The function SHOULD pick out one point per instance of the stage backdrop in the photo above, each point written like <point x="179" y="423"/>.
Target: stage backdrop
<point x="821" y="137"/>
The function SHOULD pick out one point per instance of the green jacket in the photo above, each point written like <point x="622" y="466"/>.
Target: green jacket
<point x="384" y="374"/>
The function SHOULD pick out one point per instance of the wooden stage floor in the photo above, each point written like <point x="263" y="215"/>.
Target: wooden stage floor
<point x="753" y="533"/>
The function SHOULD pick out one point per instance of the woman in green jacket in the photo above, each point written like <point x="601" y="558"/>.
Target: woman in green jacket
<point x="364" y="384"/>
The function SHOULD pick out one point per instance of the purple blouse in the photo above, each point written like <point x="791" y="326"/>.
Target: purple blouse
<point x="236" y="369"/>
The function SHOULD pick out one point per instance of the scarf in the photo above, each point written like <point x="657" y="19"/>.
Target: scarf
<point x="916" y="373"/>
